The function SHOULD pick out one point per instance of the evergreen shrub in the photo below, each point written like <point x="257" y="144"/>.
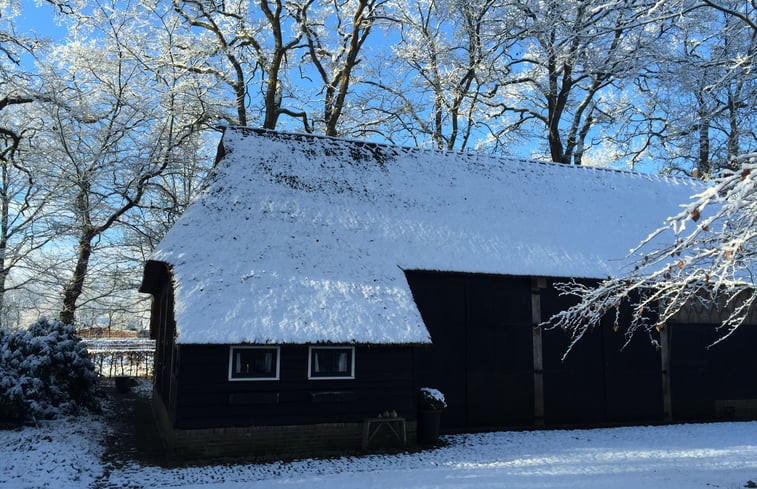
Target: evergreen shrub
<point x="45" y="371"/>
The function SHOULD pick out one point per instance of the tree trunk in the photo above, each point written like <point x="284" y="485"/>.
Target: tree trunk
<point x="272" y="93"/>
<point x="3" y="278"/>
<point x="6" y="203"/>
<point x="556" y="100"/>
<point x="361" y="26"/>
<point x="703" y="160"/>
<point x="239" y="93"/>
<point x="74" y="288"/>
<point x="733" y="126"/>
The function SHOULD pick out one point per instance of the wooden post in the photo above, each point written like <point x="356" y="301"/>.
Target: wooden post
<point x="667" y="398"/>
<point x="537" y="284"/>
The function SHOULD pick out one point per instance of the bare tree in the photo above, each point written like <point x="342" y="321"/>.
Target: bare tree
<point x="24" y="228"/>
<point x="697" y="111"/>
<point x="743" y="11"/>
<point x="447" y="52"/>
<point x="113" y="128"/>
<point x="12" y="77"/>
<point x="706" y="254"/>
<point x="576" y="59"/>
<point x="350" y="23"/>
<point x="252" y="44"/>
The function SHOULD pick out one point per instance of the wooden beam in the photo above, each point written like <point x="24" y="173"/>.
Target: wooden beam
<point x="537" y="284"/>
<point x="667" y="398"/>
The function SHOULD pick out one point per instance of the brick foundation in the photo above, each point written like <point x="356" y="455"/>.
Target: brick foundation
<point x="269" y="442"/>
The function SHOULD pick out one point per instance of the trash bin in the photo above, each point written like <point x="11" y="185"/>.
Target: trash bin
<point x="123" y="383"/>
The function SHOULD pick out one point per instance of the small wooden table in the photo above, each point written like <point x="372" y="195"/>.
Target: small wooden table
<point x="396" y="426"/>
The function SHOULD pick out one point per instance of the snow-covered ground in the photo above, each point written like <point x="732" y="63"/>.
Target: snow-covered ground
<point x="67" y="454"/>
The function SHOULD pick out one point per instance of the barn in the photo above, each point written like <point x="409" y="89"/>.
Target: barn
<point x="317" y="283"/>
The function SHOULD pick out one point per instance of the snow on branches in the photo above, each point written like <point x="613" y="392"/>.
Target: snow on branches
<point x="704" y="257"/>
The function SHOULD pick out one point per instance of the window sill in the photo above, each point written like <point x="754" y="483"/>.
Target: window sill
<point x="332" y="396"/>
<point x="247" y="398"/>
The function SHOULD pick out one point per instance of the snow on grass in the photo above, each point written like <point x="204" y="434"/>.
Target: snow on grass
<point x="66" y="454"/>
<point x="60" y="454"/>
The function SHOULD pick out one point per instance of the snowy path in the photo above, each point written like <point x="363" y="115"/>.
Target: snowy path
<point x="66" y="454"/>
<point x="684" y="456"/>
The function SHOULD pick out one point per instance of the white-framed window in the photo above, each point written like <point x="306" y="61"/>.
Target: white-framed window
<point x="254" y="362"/>
<point x="331" y="362"/>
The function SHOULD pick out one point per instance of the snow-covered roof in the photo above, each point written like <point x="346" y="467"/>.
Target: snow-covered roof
<point x="305" y="239"/>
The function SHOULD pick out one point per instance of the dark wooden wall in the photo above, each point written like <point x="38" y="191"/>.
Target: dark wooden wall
<point x="486" y="358"/>
<point x="481" y="357"/>
<point x="713" y="382"/>
<point x="600" y="380"/>
<point x="157" y="282"/>
<point x="206" y="398"/>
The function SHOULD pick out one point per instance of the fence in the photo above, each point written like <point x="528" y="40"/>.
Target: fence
<point x="122" y="356"/>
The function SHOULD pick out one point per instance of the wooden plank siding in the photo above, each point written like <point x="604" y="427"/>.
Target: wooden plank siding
<point x="206" y="398"/>
<point x="494" y="370"/>
<point x="573" y="388"/>
<point x="481" y="357"/>
<point x="713" y="382"/>
<point x="603" y="379"/>
<point x="157" y="282"/>
<point x="484" y="348"/>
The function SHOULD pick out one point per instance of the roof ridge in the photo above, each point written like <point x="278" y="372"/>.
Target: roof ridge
<point x="466" y="153"/>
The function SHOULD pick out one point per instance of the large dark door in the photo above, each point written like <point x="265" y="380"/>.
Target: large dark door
<point x="713" y="381"/>
<point x="442" y="365"/>
<point x="481" y="357"/>
<point x="574" y="387"/>
<point x="500" y="355"/>
<point x="602" y="379"/>
<point x="633" y="377"/>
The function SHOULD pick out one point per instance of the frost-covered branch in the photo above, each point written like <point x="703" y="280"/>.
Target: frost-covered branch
<point x="703" y="256"/>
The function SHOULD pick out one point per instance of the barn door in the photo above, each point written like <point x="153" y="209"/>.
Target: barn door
<point x="481" y="356"/>
<point x="500" y="365"/>
<point x="487" y="392"/>
<point x="442" y="365"/>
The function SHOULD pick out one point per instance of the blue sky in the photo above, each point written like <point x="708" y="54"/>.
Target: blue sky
<point x="40" y="19"/>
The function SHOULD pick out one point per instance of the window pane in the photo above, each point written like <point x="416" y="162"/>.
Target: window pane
<point x="254" y="363"/>
<point x="331" y="362"/>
